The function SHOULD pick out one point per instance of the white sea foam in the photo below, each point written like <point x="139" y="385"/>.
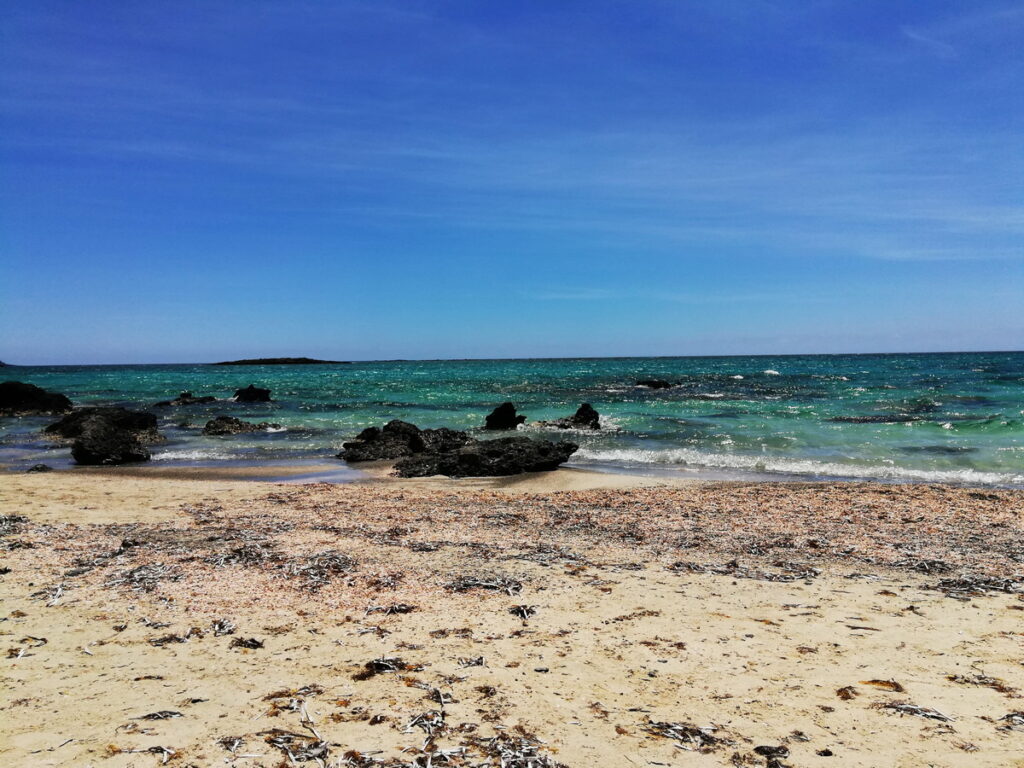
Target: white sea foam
<point x="770" y="372"/>
<point x="196" y="454"/>
<point x="737" y="376"/>
<point x="693" y="458"/>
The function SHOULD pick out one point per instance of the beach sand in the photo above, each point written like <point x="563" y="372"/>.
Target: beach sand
<point x="592" y="620"/>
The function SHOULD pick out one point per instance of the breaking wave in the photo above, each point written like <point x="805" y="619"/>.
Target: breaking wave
<point x="792" y="466"/>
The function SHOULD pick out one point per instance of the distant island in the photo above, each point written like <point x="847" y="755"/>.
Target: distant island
<point x="284" y="361"/>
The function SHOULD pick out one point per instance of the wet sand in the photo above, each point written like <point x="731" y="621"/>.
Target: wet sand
<point x="586" y="620"/>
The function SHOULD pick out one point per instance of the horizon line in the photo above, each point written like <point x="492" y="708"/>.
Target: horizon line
<point x="4" y="364"/>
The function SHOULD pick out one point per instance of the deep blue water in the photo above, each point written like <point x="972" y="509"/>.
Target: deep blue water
<point x="926" y="417"/>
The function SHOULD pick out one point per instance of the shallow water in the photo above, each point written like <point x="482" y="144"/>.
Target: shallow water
<point x="936" y="417"/>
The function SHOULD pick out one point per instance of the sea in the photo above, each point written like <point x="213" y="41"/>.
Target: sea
<point x="933" y="418"/>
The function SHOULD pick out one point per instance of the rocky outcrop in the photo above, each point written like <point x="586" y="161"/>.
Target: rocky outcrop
<point x="489" y="458"/>
<point x="40" y="468"/>
<point x="398" y="439"/>
<point x="229" y="425"/>
<point x="283" y="361"/>
<point x="185" y="398"/>
<point x="504" y="417"/>
<point x="18" y="398"/>
<point x="101" y="443"/>
<point x="142" y="424"/>
<point x="584" y="418"/>
<point x="654" y="383"/>
<point x="252" y="394"/>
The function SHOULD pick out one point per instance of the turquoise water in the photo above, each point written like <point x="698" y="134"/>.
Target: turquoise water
<point x="956" y="417"/>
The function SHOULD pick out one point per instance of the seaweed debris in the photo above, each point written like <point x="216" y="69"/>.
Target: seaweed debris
<point x="687" y="735"/>
<point x="495" y="583"/>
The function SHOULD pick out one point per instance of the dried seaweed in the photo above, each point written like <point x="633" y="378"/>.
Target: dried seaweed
<point x="146" y="578"/>
<point x="250" y="643"/>
<point x="496" y="583"/>
<point x="298" y="747"/>
<point x="687" y="735"/>
<point x="384" y="665"/>
<point x="317" y="570"/>
<point x="222" y="627"/>
<point x="906" y="708"/>
<point x="523" y="612"/>
<point x="977" y="586"/>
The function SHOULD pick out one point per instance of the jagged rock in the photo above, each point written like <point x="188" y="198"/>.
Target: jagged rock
<point x="654" y="383"/>
<point x="185" y="398"/>
<point x="229" y="425"/>
<point x="398" y="439"/>
<point x="489" y="458"/>
<point x="74" y="425"/>
<point x="40" y="468"/>
<point x="584" y="418"/>
<point x="252" y="394"/>
<point x="504" y="417"/>
<point x="18" y="398"/>
<point x="102" y="443"/>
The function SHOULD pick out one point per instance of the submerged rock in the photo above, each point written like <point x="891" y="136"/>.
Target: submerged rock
<point x="654" y="383"/>
<point x="185" y="398"/>
<point x="75" y="424"/>
<point x="398" y="439"/>
<point x="101" y="443"/>
<point x="18" y="398"/>
<point x="504" y="417"/>
<point x="489" y="458"/>
<point x="229" y="425"/>
<point x="584" y="418"/>
<point x="252" y="394"/>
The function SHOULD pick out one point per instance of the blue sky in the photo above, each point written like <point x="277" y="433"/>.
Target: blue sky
<point x="190" y="181"/>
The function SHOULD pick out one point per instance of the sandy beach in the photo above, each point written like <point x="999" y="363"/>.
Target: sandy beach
<point x="569" y="618"/>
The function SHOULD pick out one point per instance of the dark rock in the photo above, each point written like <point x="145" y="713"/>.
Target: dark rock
<point x="40" y="468"/>
<point x="654" y="383"/>
<point x="185" y="398"/>
<point x="252" y="394"/>
<point x="18" y="398"/>
<point x="489" y="458"/>
<point x="77" y="422"/>
<point x="504" y="417"/>
<point x="229" y="425"/>
<point x="103" y="443"/>
<point x="398" y="439"/>
<point x="584" y="418"/>
<point x="283" y="361"/>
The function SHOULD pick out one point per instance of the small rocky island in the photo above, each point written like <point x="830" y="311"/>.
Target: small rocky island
<point x="283" y="361"/>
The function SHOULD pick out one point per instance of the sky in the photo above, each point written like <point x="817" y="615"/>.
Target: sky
<point x="193" y="181"/>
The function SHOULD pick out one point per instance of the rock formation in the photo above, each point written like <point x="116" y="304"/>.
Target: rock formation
<point x="398" y="439"/>
<point x="252" y="394"/>
<point x="20" y="399"/>
<point x="489" y="458"/>
<point x="75" y="424"/>
<point x="229" y="425"/>
<point x="584" y="418"/>
<point x="504" y="417"/>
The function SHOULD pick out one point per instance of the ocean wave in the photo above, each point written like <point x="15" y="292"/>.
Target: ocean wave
<point x="792" y="466"/>
<point x="770" y="372"/>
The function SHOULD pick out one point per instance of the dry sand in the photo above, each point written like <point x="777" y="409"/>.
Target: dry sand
<point x="655" y="626"/>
